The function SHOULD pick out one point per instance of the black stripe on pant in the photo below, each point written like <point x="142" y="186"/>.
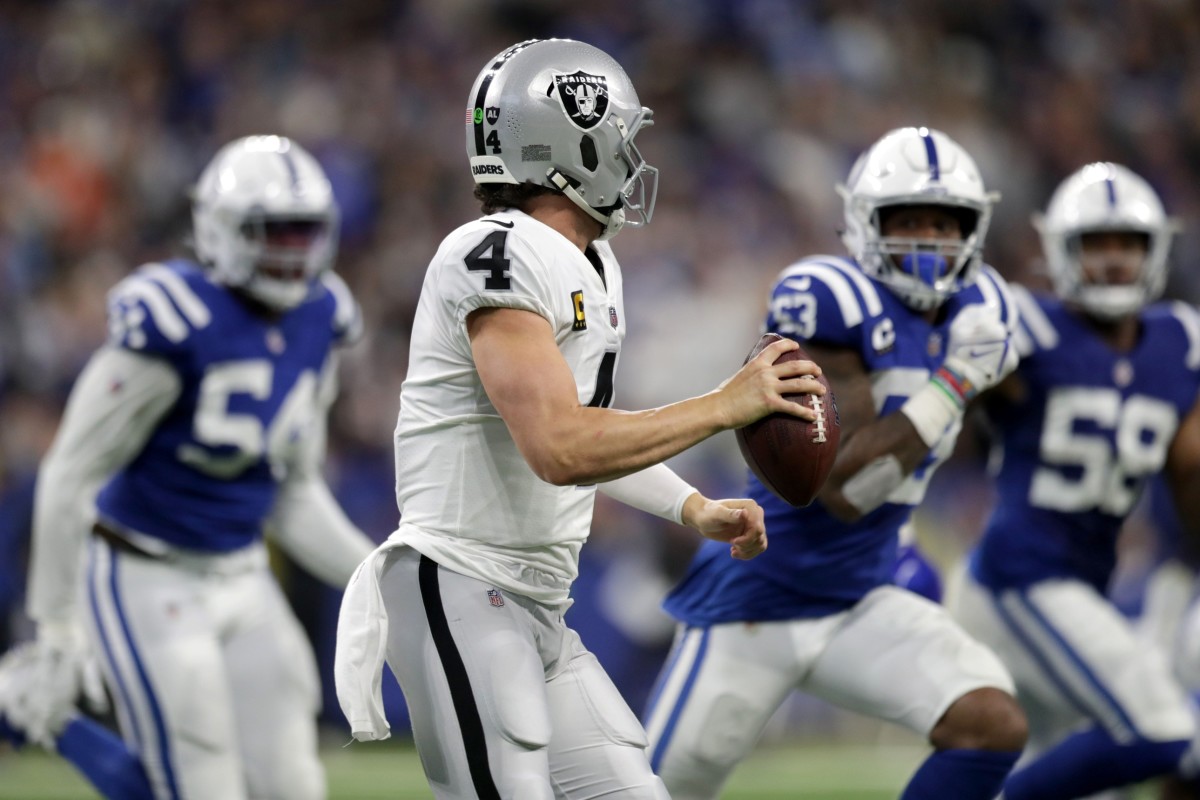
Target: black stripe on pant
<point x="465" y="708"/>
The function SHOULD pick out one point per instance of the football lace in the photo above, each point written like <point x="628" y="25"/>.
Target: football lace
<point x="818" y="406"/>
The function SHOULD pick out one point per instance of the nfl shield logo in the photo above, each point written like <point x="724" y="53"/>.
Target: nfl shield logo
<point x="612" y="316"/>
<point x="495" y="598"/>
<point x="275" y="341"/>
<point x="584" y="98"/>
<point x="934" y="344"/>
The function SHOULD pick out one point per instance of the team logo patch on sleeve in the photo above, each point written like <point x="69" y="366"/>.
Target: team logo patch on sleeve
<point x="584" y="98"/>
<point x="580" y="323"/>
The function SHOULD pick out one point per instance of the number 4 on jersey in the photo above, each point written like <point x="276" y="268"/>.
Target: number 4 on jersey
<point x="488" y="256"/>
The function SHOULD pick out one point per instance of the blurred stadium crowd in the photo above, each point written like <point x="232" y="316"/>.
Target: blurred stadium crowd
<point x="109" y="108"/>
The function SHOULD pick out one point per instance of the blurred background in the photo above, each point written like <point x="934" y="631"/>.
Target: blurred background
<point x="110" y="108"/>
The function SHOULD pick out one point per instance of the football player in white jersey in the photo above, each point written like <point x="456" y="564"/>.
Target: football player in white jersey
<point x="908" y="329"/>
<point x="1107" y="395"/>
<point x="505" y="433"/>
<point x="197" y="428"/>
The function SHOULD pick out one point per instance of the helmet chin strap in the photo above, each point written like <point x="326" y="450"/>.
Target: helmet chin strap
<point x="612" y="223"/>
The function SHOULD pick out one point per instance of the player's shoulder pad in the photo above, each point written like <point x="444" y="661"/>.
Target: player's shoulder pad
<point x="1187" y="317"/>
<point x="997" y="292"/>
<point x="823" y="297"/>
<point x="502" y="253"/>
<point x="1035" y="330"/>
<point x="157" y="308"/>
<point x="347" y="321"/>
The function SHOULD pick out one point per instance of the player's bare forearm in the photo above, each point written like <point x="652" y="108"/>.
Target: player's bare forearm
<point x="589" y="445"/>
<point x="890" y="437"/>
<point x="565" y="443"/>
<point x="865" y="436"/>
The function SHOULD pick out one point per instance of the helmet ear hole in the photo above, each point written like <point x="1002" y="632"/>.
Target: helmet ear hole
<point x="587" y="153"/>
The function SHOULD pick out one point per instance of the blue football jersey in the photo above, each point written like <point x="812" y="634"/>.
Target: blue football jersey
<point x="816" y="564"/>
<point x="1092" y="427"/>
<point x="207" y="477"/>
<point x="1164" y="518"/>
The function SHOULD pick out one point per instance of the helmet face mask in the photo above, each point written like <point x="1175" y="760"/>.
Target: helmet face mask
<point x="282" y="247"/>
<point x="1101" y="200"/>
<point x="265" y="220"/>
<point x="916" y="167"/>
<point x="563" y="114"/>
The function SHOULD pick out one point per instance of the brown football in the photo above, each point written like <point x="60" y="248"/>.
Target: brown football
<point x="790" y="456"/>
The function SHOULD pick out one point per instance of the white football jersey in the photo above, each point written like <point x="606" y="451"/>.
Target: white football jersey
<point x="467" y="497"/>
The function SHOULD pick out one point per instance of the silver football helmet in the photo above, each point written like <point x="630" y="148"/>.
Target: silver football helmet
<point x="916" y="166"/>
<point x="563" y="114"/>
<point x="1105" y="197"/>
<point x="265" y="219"/>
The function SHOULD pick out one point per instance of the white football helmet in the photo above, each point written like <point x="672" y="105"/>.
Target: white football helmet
<point x="265" y="219"/>
<point x="916" y="166"/>
<point x="563" y="114"/>
<point x="1105" y="197"/>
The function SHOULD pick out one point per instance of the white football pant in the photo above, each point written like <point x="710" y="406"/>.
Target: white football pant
<point x="214" y="682"/>
<point x="895" y="656"/>
<point x="505" y="700"/>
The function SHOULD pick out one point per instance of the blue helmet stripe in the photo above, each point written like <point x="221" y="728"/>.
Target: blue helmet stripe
<point x="931" y="152"/>
<point x="293" y="173"/>
<point x="1111" y="186"/>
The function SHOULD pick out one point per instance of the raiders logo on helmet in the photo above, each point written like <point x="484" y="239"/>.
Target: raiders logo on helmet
<point x="584" y="98"/>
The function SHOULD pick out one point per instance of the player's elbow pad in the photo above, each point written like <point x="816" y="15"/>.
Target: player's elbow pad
<point x="870" y="487"/>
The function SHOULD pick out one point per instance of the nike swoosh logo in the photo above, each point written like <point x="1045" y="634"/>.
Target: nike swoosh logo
<point x="501" y="224"/>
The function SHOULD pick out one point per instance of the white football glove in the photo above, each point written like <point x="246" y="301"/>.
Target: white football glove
<point x="980" y="351"/>
<point x="41" y="680"/>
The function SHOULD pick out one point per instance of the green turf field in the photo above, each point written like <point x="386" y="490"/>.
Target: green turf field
<point x="803" y="771"/>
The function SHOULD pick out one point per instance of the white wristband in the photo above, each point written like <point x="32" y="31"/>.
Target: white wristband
<point x="931" y="411"/>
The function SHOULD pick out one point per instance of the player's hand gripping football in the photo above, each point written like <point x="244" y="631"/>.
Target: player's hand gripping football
<point x="979" y="352"/>
<point x="737" y="521"/>
<point x="758" y="388"/>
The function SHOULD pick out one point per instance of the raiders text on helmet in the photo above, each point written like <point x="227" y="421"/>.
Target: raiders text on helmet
<point x="1096" y="198"/>
<point x="563" y="114"/>
<point x="916" y="166"/>
<point x="265" y="219"/>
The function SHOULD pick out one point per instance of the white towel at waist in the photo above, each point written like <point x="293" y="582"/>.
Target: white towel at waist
<point x="361" y="648"/>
